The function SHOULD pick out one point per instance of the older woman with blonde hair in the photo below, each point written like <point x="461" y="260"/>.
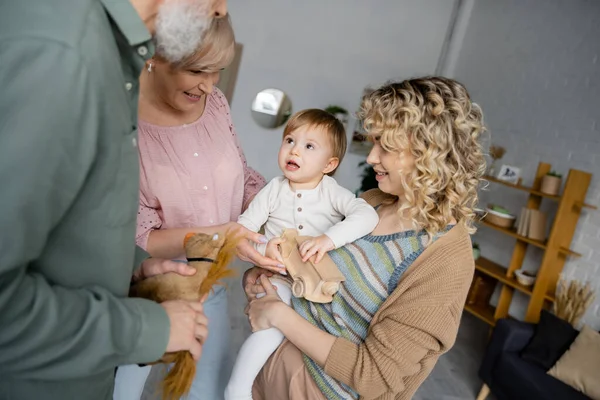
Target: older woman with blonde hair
<point x="406" y="282"/>
<point x="193" y="178"/>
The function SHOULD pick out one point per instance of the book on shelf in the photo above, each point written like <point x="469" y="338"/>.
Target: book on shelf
<point x="522" y="222"/>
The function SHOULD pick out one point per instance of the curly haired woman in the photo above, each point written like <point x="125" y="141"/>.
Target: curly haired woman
<point x="406" y="282"/>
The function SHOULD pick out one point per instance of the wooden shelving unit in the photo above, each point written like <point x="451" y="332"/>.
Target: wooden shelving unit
<point x="484" y="312"/>
<point x="556" y="248"/>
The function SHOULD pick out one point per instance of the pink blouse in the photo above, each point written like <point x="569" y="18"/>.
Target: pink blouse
<point x="193" y="175"/>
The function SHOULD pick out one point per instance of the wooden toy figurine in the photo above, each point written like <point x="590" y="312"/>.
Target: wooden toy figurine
<point x="315" y="282"/>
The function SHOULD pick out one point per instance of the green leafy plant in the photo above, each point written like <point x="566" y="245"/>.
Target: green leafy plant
<point x="368" y="177"/>
<point x="336" y="110"/>
<point x="554" y="173"/>
<point x="476" y="251"/>
<point x="501" y="210"/>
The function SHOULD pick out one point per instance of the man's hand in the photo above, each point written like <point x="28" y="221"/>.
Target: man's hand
<point x="188" y="328"/>
<point x="247" y="252"/>
<point x="319" y="246"/>
<point x="159" y="266"/>
<point x="252" y="284"/>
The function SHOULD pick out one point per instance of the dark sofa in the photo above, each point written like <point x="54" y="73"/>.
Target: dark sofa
<point x="511" y="366"/>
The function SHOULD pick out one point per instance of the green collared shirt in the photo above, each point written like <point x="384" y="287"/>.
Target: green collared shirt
<point x="68" y="199"/>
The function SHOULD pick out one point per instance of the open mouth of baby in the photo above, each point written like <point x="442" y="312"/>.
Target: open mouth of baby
<point x="292" y="166"/>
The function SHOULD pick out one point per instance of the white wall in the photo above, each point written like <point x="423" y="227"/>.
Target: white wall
<point x="534" y="67"/>
<point x="323" y="52"/>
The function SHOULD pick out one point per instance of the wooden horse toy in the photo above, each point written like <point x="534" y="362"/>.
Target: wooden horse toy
<point x="210" y="255"/>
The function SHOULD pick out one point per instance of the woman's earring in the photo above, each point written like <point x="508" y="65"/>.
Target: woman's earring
<point x="149" y="67"/>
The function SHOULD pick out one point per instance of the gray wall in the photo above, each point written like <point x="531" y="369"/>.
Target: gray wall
<point x="325" y="52"/>
<point x="533" y="66"/>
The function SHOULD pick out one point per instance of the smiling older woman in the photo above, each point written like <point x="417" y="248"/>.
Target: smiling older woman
<point x="193" y="176"/>
<point x="406" y="282"/>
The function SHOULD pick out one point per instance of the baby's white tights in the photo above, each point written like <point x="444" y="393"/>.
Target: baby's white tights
<point x="255" y="352"/>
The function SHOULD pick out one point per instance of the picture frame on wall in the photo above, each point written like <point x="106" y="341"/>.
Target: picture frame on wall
<point x="510" y="174"/>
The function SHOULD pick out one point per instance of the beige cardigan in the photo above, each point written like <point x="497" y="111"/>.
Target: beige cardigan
<point x="414" y="326"/>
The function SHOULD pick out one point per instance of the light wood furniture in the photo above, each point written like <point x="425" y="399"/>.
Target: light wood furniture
<point x="316" y="283"/>
<point x="556" y="248"/>
<point x="484" y="392"/>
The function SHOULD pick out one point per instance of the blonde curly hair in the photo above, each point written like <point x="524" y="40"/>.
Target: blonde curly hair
<point x="435" y="119"/>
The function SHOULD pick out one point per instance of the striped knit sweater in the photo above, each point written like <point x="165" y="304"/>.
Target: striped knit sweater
<point x="372" y="266"/>
<point x="415" y="324"/>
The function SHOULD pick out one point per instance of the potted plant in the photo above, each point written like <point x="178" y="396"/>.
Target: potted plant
<point x="551" y="183"/>
<point x="499" y="216"/>
<point x="339" y="112"/>
<point x="368" y="180"/>
<point x="476" y="251"/>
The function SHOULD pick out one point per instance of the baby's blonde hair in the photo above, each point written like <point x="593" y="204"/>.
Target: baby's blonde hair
<point x="435" y="119"/>
<point x="216" y="50"/>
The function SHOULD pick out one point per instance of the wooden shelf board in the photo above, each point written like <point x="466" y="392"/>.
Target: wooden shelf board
<point x="568" y="252"/>
<point x="484" y="312"/>
<point x="537" y="243"/>
<point x="513" y="233"/>
<point x="498" y="272"/>
<point x="585" y="205"/>
<point x="523" y="188"/>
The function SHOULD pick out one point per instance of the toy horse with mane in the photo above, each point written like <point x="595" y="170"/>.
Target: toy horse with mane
<point x="210" y="255"/>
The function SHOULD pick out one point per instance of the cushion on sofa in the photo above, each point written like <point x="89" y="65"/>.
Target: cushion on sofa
<point x="579" y="367"/>
<point x="551" y="339"/>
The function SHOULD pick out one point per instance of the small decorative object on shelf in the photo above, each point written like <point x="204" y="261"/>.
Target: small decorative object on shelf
<point x="499" y="216"/>
<point x="510" y="174"/>
<point x="537" y="225"/>
<point x="572" y="300"/>
<point x="551" y="183"/>
<point x="476" y="251"/>
<point x="525" y="278"/>
<point x="496" y="153"/>
<point x="532" y="224"/>
<point x="482" y="288"/>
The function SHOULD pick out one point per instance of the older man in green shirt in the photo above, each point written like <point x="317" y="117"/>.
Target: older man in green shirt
<point x="68" y="201"/>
